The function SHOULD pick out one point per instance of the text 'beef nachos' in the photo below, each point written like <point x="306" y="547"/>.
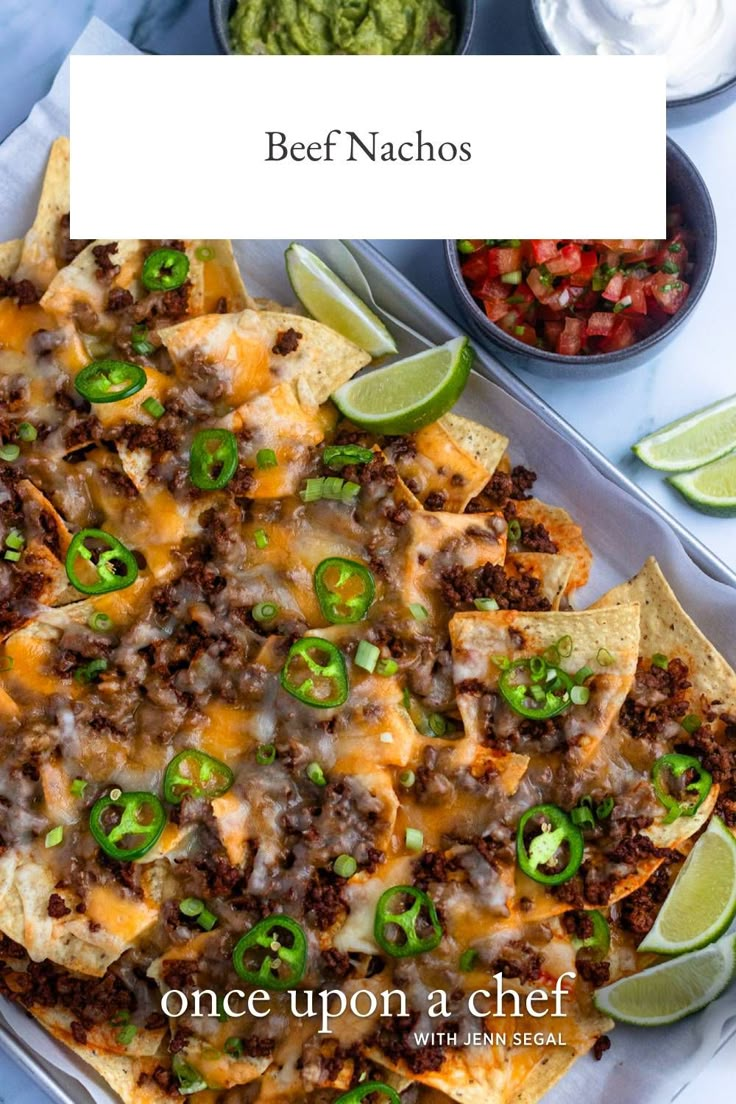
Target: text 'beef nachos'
<point x="286" y="705"/>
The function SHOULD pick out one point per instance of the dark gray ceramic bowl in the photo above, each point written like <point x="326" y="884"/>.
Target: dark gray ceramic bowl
<point x="689" y="109"/>
<point x="685" y="186"/>
<point x="221" y="10"/>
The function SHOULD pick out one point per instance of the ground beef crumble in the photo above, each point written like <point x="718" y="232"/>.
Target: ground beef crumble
<point x="287" y="341"/>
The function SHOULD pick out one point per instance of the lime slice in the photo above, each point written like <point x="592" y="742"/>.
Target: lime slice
<point x="410" y="393"/>
<point x="702" y="902"/>
<point x="691" y="441"/>
<point x="331" y="301"/>
<point x="674" y="989"/>
<point x="711" y="489"/>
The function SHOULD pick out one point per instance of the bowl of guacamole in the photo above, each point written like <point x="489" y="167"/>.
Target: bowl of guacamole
<point x="343" y="26"/>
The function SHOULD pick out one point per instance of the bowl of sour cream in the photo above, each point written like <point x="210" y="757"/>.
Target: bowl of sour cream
<point x="698" y="38"/>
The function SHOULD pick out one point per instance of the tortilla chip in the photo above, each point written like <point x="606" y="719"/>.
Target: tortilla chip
<point x="38" y="257"/>
<point x="100" y="1037"/>
<point x="566" y="534"/>
<point x="552" y="572"/>
<point x="71" y="941"/>
<point x="239" y="350"/>
<point x="436" y="541"/>
<point x="131" y="1078"/>
<point x="278" y="421"/>
<point x="484" y="444"/>
<point x="439" y="469"/>
<point x="10" y="253"/>
<point x="77" y="283"/>
<point x="478" y="637"/>
<point x="217" y="285"/>
<point x="666" y="628"/>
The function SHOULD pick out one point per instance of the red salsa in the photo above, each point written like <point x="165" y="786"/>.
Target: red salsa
<point x="580" y="297"/>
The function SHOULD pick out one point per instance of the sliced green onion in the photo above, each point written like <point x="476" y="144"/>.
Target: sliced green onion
<point x="582" y="816"/>
<point x="437" y="724"/>
<point x="316" y="775"/>
<point x="88" y="672"/>
<point x="234" y="1047"/>
<point x="659" y="660"/>
<point x="127" y="1034"/>
<point x="206" y="920"/>
<point x="538" y="668"/>
<point x="691" y="723"/>
<point x="266" y="458"/>
<point x="261" y="538"/>
<point x="623" y="304"/>
<point x="605" y="808"/>
<point x="204" y="253"/>
<point x="9" y="452"/>
<point x="153" y="407"/>
<point x="99" y="622"/>
<point x="537" y="692"/>
<point x="191" y="906"/>
<point x="468" y="960"/>
<point x="338" y="456"/>
<point x="13" y="557"/>
<point x="501" y="661"/>
<point x="604" y="657"/>
<point x="552" y="655"/>
<point x="265" y="611"/>
<point x="15" y="539"/>
<point x="78" y="786"/>
<point x="27" y="432"/>
<point x="418" y="611"/>
<point x="485" y="604"/>
<point x="331" y="487"/>
<point x="345" y="866"/>
<point x="407" y="779"/>
<point x="580" y="695"/>
<point x="512" y="277"/>
<point x="583" y="674"/>
<point x="265" y="755"/>
<point x="414" y="839"/>
<point x="387" y="667"/>
<point x="55" y="836"/>
<point x="514" y="532"/>
<point x="565" y="646"/>
<point x="367" y="656"/>
<point x="139" y="342"/>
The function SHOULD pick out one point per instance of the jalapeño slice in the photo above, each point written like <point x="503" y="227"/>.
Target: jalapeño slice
<point x="138" y="818"/>
<point x="196" y="773"/>
<point x="345" y="590"/>
<point x="700" y="784"/>
<point x="315" y="673"/>
<point x="597" y="943"/>
<point x="414" y="930"/>
<point x="554" y="839"/>
<point x="114" y="565"/>
<point x="213" y="459"/>
<point x="535" y="690"/>
<point x="285" y="962"/>
<point x="165" y="269"/>
<point x="106" y="381"/>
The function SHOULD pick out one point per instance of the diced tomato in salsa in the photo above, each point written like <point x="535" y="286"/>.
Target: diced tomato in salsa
<point x="581" y="297"/>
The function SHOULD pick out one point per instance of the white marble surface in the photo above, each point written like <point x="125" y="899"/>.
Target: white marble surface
<point x="698" y="368"/>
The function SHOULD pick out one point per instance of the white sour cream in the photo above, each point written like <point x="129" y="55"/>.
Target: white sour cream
<point x="698" y="37"/>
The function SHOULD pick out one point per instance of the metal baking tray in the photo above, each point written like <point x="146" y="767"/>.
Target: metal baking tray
<point x="418" y="313"/>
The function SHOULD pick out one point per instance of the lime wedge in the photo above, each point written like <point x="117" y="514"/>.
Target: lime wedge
<point x="702" y="902"/>
<point x="331" y="302"/>
<point x="691" y="441"/>
<point x="674" y="989"/>
<point x="410" y="393"/>
<point x="710" y="489"/>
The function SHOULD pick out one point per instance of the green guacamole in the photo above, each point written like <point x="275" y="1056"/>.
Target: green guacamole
<point x="342" y="27"/>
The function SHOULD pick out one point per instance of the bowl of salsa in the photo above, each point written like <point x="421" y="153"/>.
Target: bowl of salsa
<point x="342" y="27"/>
<point x="590" y="309"/>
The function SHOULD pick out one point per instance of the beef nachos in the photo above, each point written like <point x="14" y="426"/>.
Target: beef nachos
<point x="294" y="707"/>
